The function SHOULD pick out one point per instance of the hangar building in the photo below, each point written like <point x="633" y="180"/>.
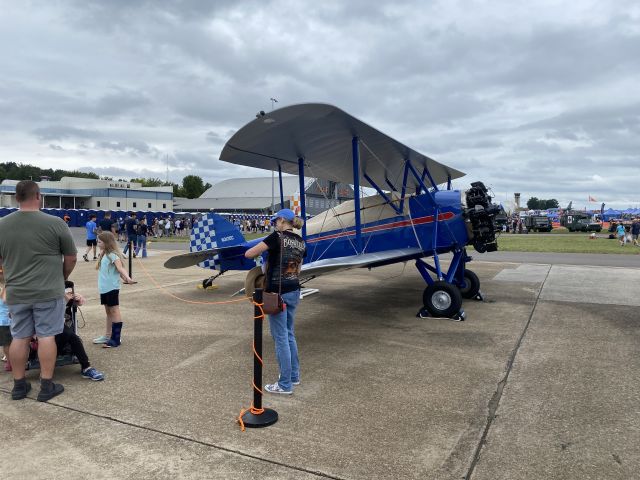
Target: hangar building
<point x="255" y="196"/>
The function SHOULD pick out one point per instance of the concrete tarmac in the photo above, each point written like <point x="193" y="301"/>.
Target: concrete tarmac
<point x="541" y="382"/>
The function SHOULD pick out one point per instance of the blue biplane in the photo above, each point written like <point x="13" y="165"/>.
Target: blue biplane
<point x="414" y="215"/>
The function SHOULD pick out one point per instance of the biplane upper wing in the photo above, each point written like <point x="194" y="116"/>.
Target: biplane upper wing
<point x="365" y="260"/>
<point x="321" y="135"/>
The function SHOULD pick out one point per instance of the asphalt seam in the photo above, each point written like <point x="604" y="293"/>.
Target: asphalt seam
<point x="192" y="440"/>
<point x="494" y="403"/>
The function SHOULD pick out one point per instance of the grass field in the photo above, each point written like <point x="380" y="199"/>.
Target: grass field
<point x="579" y="243"/>
<point x="574" y="243"/>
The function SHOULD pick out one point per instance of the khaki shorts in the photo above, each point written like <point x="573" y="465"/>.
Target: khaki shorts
<point x="44" y="319"/>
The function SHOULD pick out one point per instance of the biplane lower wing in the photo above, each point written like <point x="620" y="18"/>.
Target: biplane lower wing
<point x="365" y="260"/>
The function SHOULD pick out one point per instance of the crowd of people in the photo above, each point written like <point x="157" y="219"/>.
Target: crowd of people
<point x="38" y="254"/>
<point x="626" y="233"/>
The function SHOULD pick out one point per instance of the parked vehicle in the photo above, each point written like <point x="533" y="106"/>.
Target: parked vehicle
<point x="579" y="222"/>
<point x="538" y="223"/>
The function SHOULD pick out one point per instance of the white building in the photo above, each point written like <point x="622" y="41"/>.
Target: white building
<point x="74" y="192"/>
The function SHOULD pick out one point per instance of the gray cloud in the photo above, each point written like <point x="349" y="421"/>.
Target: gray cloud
<point x="526" y="99"/>
<point x="61" y="132"/>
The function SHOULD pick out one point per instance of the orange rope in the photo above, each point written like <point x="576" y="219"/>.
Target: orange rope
<point x="252" y="409"/>
<point x="160" y="287"/>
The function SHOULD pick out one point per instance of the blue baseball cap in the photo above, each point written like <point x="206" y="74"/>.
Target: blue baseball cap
<point x="285" y="213"/>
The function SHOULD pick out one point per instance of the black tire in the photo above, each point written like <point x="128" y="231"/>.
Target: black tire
<point x="442" y="299"/>
<point x="471" y="285"/>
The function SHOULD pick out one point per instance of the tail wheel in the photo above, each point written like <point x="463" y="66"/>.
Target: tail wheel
<point x="471" y="285"/>
<point x="442" y="299"/>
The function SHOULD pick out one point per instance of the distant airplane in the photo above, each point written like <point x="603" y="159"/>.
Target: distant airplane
<point x="415" y="214"/>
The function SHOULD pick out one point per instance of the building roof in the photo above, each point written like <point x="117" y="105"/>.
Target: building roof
<point x="254" y="188"/>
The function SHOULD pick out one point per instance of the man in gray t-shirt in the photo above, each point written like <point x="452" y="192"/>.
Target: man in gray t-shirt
<point x="38" y="254"/>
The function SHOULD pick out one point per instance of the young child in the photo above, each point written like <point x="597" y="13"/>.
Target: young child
<point x="69" y="337"/>
<point x="110" y="270"/>
<point x="5" y="322"/>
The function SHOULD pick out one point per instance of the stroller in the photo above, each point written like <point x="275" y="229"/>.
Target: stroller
<point x="65" y="357"/>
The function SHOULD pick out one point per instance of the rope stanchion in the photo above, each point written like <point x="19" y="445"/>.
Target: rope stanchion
<point x="130" y="259"/>
<point x="256" y="416"/>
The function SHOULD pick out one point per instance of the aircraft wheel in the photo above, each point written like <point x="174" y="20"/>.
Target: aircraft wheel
<point x="471" y="285"/>
<point x="442" y="299"/>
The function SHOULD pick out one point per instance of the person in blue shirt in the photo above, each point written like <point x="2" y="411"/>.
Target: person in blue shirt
<point x="621" y="233"/>
<point x="92" y="242"/>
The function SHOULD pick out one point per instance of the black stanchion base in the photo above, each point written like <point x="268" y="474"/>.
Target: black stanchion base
<point x="266" y="418"/>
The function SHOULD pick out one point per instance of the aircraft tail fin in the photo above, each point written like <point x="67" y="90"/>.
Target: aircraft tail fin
<point x="213" y="231"/>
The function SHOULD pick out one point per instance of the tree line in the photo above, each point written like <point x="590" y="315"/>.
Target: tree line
<point x="535" y="203"/>
<point x="192" y="186"/>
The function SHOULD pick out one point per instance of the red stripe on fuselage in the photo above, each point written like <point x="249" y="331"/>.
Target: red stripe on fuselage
<point x="386" y="226"/>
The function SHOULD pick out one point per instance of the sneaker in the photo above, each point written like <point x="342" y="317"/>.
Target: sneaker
<point x="48" y="390"/>
<point x="20" y="389"/>
<point x="111" y="344"/>
<point x="296" y="383"/>
<point x="275" y="388"/>
<point x="86" y="259"/>
<point x="101" y="339"/>
<point x="92" y="374"/>
<point x="95" y="258"/>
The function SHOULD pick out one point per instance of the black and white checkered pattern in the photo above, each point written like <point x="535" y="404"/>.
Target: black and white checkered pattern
<point x="203" y="237"/>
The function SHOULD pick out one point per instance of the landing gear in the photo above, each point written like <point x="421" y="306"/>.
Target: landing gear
<point x="207" y="283"/>
<point x="441" y="299"/>
<point x="471" y="287"/>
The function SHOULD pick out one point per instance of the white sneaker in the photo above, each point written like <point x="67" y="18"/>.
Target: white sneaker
<point x="275" y="388"/>
<point x="296" y="383"/>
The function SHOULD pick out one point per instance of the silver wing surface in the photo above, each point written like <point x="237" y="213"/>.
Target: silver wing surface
<point x="322" y="135"/>
<point x="366" y="260"/>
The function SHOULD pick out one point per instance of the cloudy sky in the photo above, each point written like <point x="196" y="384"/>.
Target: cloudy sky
<point x="538" y="97"/>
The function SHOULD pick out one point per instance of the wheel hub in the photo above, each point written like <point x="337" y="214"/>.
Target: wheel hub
<point x="441" y="300"/>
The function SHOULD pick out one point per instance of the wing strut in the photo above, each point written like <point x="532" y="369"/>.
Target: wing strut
<point x="355" y="151"/>
<point x="281" y="190"/>
<point x="303" y="206"/>
<point x="382" y="194"/>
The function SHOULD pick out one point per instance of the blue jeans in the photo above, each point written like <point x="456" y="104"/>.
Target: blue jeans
<point x="141" y="244"/>
<point x="285" y="340"/>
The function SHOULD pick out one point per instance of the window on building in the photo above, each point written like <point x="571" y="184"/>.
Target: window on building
<point x="117" y="204"/>
<point x="134" y="205"/>
<point x="98" y="202"/>
<point x="148" y="205"/>
<point x="164" y="205"/>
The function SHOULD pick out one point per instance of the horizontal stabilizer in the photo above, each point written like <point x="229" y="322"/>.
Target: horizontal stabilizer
<point x="194" y="258"/>
<point x="366" y="260"/>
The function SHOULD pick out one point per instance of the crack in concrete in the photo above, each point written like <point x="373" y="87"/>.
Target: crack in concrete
<point x="494" y="403"/>
<point x="193" y="440"/>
